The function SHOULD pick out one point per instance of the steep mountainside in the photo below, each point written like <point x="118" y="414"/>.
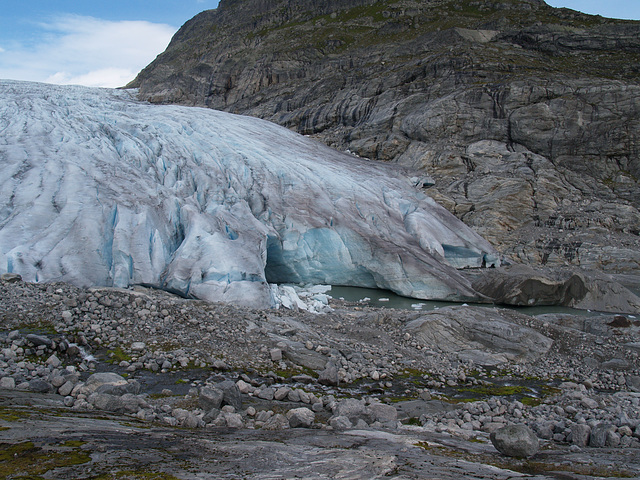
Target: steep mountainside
<point x="527" y="117"/>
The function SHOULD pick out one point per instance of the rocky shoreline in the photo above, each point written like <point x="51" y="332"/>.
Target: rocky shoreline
<point x="170" y="362"/>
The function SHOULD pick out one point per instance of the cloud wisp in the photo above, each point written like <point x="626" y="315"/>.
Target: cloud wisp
<point x="82" y="50"/>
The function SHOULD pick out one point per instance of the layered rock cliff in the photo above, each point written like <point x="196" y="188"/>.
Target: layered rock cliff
<point x="527" y="117"/>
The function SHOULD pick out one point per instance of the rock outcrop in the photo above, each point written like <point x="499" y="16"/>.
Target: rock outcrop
<point x="480" y="335"/>
<point x="521" y="285"/>
<point x="101" y="190"/>
<point x="526" y="116"/>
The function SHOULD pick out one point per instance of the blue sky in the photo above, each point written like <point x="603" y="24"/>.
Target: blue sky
<point x="106" y="43"/>
<point x="629" y="9"/>
<point x="88" y="42"/>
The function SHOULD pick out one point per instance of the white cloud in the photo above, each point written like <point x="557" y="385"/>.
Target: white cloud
<point x="86" y="51"/>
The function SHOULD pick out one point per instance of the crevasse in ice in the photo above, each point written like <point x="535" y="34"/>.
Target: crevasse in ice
<point x="97" y="188"/>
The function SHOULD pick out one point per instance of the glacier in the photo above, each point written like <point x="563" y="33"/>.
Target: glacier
<point x="99" y="189"/>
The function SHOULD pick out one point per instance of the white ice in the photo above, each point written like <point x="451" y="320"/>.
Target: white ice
<point x="98" y="189"/>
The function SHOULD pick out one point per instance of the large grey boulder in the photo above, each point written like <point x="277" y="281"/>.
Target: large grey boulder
<point x="127" y="403"/>
<point x="211" y="398"/>
<point x="301" y="417"/>
<point x="230" y="394"/>
<point x="604" y="435"/>
<point x="387" y="415"/>
<point x="351" y="408"/>
<point x="97" y="380"/>
<point x="580" y="434"/>
<point x="515" y="441"/>
<point x="329" y="376"/>
<point x="525" y="286"/>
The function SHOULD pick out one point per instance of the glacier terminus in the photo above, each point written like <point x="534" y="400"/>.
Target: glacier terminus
<point x="99" y="189"/>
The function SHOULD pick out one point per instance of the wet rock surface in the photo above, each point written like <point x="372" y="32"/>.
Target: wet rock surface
<point x="183" y="385"/>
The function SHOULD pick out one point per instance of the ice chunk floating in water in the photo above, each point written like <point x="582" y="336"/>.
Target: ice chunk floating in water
<point x="100" y="189"/>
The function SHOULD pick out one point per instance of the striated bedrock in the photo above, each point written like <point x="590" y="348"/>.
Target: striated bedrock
<point x="100" y="189"/>
<point x="482" y="335"/>
<point x="526" y="116"/>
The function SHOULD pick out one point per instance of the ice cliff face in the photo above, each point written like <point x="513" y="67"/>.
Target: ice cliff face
<point x="100" y="189"/>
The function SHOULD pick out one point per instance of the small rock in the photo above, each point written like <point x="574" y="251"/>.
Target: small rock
<point x="57" y="381"/>
<point x="340" y="423"/>
<point x="38" y="340"/>
<point x="276" y="354"/>
<point x="281" y="393"/>
<point x="220" y="365"/>
<point x="266" y="393"/>
<point x="66" y="388"/>
<point x="53" y="361"/>
<point x="234" y="420"/>
<point x="515" y="441"/>
<point x="231" y="394"/>
<point x="243" y="387"/>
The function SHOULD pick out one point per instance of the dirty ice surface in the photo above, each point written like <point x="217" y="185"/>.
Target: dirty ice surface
<point x="97" y="188"/>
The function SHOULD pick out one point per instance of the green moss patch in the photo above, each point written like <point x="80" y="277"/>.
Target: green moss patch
<point x="136" y="475"/>
<point x="25" y="460"/>
<point x="118" y="355"/>
<point x="13" y="414"/>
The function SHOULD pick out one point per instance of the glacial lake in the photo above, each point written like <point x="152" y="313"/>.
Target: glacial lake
<point x="387" y="299"/>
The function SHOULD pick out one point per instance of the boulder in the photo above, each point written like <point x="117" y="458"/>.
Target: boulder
<point x="515" y="441"/>
<point x="329" y="376"/>
<point x="525" y="286"/>
<point x="10" y="277"/>
<point x="119" y="389"/>
<point x="8" y="383"/>
<point x="231" y="394"/>
<point x="210" y="398"/>
<point x="127" y="403"/>
<point x="301" y="417"/>
<point x="97" y="380"/>
<point x="351" y="408"/>
<point x="604" y="435"/>
<point x="387" y="415"/>
<point x="580" y="434"/>
<point x="276" y="422"/>
<point x="38" y="340"/>
<point x="40" y="386"/>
